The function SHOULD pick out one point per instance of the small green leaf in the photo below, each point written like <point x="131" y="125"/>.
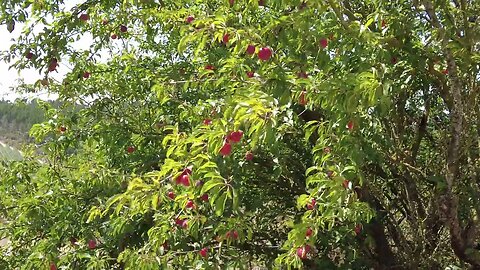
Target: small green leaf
<point x="220" y="204"/>
<point x="211" y="184"/>
<point x="236" y="199"/>
<point x="11" y="26"/>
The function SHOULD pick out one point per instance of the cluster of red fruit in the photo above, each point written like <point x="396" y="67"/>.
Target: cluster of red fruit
<point x="311" y="205"/>
<point x="263" y="54"/>
<point x="123" y="28"/>
<point x="232" y="235"/>
<point x="184" y="177"/>
<point x="181" y="222"/>
<point x="232" y="137"/>
<point x="303" y="251"/>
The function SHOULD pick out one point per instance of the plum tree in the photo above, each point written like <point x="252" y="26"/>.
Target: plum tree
<point x="382" y="93"/>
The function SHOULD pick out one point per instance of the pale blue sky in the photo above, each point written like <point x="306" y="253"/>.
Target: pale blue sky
<point x="9" y="78"/>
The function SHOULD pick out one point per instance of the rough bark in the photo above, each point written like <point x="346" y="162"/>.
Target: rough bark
<point x="457" y="233"/>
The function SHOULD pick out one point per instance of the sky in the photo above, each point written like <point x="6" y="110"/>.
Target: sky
<point x="9" y="78"/>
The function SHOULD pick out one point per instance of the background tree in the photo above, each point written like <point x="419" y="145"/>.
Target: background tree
<point x="233" y="134"/>
<point x="16" y="119"/>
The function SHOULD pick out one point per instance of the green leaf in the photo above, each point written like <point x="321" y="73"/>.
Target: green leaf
<point x="236" y="199"/>
<point x="220" y="204"/>
<point x="11" y="26"/>
<point x="211" y="184"/>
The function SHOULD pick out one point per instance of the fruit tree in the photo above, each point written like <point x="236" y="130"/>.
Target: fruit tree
<point x="241" y="134"/>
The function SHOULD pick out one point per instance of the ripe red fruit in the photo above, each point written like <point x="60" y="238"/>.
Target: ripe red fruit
<point x="309" y="232"/>
<point x="86" y="75"/>
<point x="232" y="2"/>
<point x="29" y="55"/>
<point x="251" y="49"/>
<point x="184" y="177"/>
<point x="203" y="252"/>
<point x="394" y="60"/>
<point x="384" y="23"/>
<point x="209" y="67"/>
<point x="226" y="38"/>
<point x="189" y="19"/>
<point x="445" y="71"/>
<point x="207" y="122"/>
<point x="130" y="149"/>
<point x="346" y="184"/>
<point x="62" y="129"/>
<point x="171" y="195"/>
<point x="53" y="266"/>
<point x="204" y="197"/>
<point x="92" y="244"/>
<point x="226" y="149"/>
<point x="185" y="180"/>
<point x="52" y="66"/>
<point x="302" y="75"/>
<point x="350" y="125"/>
<point x="249" y="156"/>
<point x="302" y="99"/>
<point x="323" y="43"/>
<point x="190" y="204"/>
<point x="302" y="252"/>
<point x="250" y="74"/>
<point x="84" y="17"/>
<point x="264" y="54"/>
<point x="114" y="36"/>
<point x="104" y="21"/>
<point x="311" y="205"/>
<point x="235" y="136"/>
<point x="358" y="229"/>
<point x="232" y="234"/>
<point x="181" y="222"/>
<point x="123" y="28"/>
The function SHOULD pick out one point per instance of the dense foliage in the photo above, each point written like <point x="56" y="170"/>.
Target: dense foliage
<point x="239" y="134"/>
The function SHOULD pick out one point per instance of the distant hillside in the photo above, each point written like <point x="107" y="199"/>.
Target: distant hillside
<point x="8" y="153"/>
<point x="16" y="119"/>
